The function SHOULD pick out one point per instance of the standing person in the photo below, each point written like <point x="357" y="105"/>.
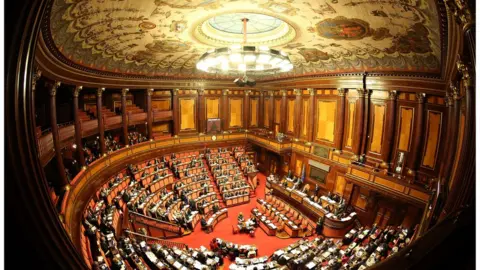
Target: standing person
<point x="319" y="227"/>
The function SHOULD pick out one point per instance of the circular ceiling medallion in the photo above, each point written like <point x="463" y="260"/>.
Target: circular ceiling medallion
<point x="227" y="29"/>
<point x="147" y="25"/>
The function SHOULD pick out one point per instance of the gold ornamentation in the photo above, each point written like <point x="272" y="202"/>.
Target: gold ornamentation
<point x="248" y="92"/>
<point x="392" y="95"/>
<point x="124" y="92"/>
<point x="420" y="97"/>
<point x="175" y="92"/>
<point x="342" y="92"/>
<point x="362" y="92"/>
<point x="461" y="12"/>
<point x="311" y="91"/>
<point x="150" y="91"/>
<point x="298" y="92"/>
<point x="449" y="100"/>
<point x="76" y="91"/>
<point x="36" y="77"/>
<point x="100" y="91"/>
<point x="201" y="92"/>
<point x="54" y="87"/>
<point x="455" y="91"/>
<point x="225" y="92"/>
<point x="464" y="70"/>
<point x="284" y="93"/>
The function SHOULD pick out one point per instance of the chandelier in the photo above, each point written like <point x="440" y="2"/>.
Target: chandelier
<point x="243" y="58"/>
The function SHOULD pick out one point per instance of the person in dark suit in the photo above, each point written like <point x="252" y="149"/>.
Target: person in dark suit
<point x="203" y="222"/>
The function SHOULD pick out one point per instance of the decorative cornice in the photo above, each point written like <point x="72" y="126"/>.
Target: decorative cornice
<point x="392" y="95"/>
<point x="76" y="91"/>
<point x="150" y="91"/>
<point x="461" y="12"/>
<point x="342" y="92"/>
<point x="298" y="92"/>
<point x="311" y="91"/>
<point x="54" y="87"/>
<point x="36" y="77"/>
<point x="124" y="92"/>
<point x="420" y="97"/>
<point x="100" y="91"/>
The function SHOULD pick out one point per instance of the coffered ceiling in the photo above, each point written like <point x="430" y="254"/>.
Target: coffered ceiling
<point x="166" y="38"/>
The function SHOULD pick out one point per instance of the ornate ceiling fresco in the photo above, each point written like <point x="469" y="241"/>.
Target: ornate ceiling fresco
<point x="167" y="37"/>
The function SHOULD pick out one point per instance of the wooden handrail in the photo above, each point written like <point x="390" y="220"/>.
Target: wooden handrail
<point x="177" y="229"/>
<point x="154" y="240"/>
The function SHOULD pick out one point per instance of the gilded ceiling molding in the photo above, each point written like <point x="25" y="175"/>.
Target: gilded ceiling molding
<point x="76" y="91"/>
<point x="461" y="12"/>
<point x="124" y="92"/>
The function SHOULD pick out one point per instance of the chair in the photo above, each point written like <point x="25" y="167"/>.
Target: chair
<point x="252" y="233"/>
<point x="235" y="229"/>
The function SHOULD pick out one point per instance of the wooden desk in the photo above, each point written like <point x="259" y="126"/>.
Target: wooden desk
<point x="215" y="219"/>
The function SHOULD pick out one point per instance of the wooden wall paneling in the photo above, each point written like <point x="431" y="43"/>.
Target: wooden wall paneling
<point x="224" y="110"/>
<point x="350" y="121"/>
<point x="340" y="120"/>
<point x="176" y="112"/>
<point x="432" y="139"/>
<point x="311" y="115"/>
<point x="340" y="184"/>
<point x="212" y="108"/>
<point x="366" y="121"/>
<point x="202" y="118"/>
<point x="266" y="112"/>
<point x="290" y="118"/>
<point x="359" y="121"/>
<point x="283" y="112"/>
<point x="149" y="93"/>
<point x="246" y="110"/>
<point x="235" y="112"/>
<point x="278" y="120"/>
<point x="298" y="113"/>
<point x="325" y="116"/>
<point x="124" y="116"/>
<point x="377" y="124"/>
<point x="305" y="117"/>
<point x="271" y="111"/>
<point x="387" y="145"/>
<point x="161" y="104"/>
<point x="261" y="105"/>
<point x="404" y="124"/>
<point x="188" y="114"/>
<point x="414" y="156"/>
<point x="254" y="112"/>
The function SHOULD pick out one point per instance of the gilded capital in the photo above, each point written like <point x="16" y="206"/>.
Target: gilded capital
<point x="201" y="92"/>
<point x="392" y="95"/>
<point x="298" y="92"/>
<point x="464" y="70"/>
<point x="271" y="93"/>
<point x="248" y="92"/>
<point x="124" y="92"/>
<point x="150" y="91"/>
<point x="311" y="91"/>
<point x="35" y="78"/>
<point x="54" y="87"/>
<point x="342" y="92"/>
<point x="455" y="91"/>
<point x="448" y="100"/>
<point x="225" y="92"/>
<point x="362" y="92"/>
<point x="100" y="91"/>
<point x="420" y="97"/>
<point x="76" y="91"/>
<point x="283" y="92"/>
<point x="175" y="92"/>
<point x="261" y="93"/>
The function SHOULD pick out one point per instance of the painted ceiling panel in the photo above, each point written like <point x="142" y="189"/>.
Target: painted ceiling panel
<point x="166" y="37"/>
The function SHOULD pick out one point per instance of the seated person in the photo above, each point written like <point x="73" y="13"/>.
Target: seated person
<point x="240" y="217"/>
<point x="215" y="208"/>
<point x="203" y="222"/>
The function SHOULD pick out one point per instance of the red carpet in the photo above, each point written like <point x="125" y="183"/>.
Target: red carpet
<point x="266" y="244"/>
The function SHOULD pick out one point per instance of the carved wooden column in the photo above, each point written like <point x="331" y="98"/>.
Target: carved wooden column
<point x="149" y="113"/>
<point x="272" y="111"/>
<point x="340" y="122"/>
<point x="311" y="118"/>
<point x="124" y="116"/>
<point x="454" y="102"/>
<point x="417" y="143"/>
<point x="387" y="144"/>
<point x="201" y="111"/>
<point x="62" y="180"/>
<point x="224" y="114"/>
<point x="298" y="112"/>
<point x="101" y="125"/>
<point x="176" y="113"/>
<point x="359" y="122"/>
<point x="78" y="126"/>
<point x="260" y="110"/>
<point x="283" y="112"/>
<point x="246" y="109"/>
